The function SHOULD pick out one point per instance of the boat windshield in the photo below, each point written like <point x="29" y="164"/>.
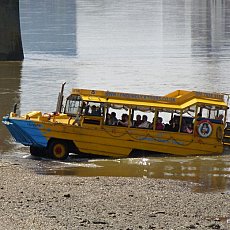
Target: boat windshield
<point x="73" y="105"/>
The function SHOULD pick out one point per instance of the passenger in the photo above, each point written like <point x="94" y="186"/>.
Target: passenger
<point x="138" y="121"/>
<point x="199" y="116"/>
<point x="189" y="128"/>
<point x="168" y="126"/>
<point x="151" y="124"/>
<point x="173" y="125"/>
<point x="124" y="120"/>
<point x="220" y="118"/>
<point x="145" y="123"/>
<point x="114" y="120"/>
<point x="159" y="124"/>
<point x="108" y="120"/>
<point x="186" y="128"/>
<point x="95" y="111"/>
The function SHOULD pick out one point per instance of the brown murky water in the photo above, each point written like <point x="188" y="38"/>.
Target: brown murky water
<point x="207" y="173"/>
<point x="138" y="46"/>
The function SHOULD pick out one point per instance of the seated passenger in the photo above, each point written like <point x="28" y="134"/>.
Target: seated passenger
<point x="173" y="125"/>
<point x="95" y="111"/>
<point x="145" y="123"/>
<point x="114" y="120"/>
<point x="138" y="121"/>
<point x="186" y="128"/>
<point x="159" y="124"/>
<point x="151" y="124"/>
<point x="199" y="116"/>
<point x="189" y="128"/>
<point x="124" y="120"/>
<point x="220" y="118"/>
<point x="108" y="120"/>
<point x="168" y="126"/>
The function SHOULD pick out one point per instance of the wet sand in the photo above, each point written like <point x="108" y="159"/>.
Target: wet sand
<point x="31" y="201"/>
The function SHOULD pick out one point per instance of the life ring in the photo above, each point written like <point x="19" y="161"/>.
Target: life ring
<point x="204" y="128"/>
<point x="219" y="133"/>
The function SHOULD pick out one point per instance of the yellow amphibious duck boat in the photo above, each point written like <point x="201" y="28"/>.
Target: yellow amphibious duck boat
<point x="119" y="124"/>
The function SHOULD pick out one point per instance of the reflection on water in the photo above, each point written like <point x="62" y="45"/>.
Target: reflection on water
<point x="208" y="173"/>
<point x="141" y="46"/>
<point x="10" y="80"/>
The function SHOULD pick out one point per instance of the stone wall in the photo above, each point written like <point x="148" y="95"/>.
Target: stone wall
<point x="10" y="34"/>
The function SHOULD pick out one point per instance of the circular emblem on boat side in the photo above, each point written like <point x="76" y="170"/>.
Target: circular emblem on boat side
<point x="204" y="128"/>
<point x="93" y="92"/>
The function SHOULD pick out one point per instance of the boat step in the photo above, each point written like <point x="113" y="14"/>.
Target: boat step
<point x="225" y="143"/>
<point x="226" y="140"/>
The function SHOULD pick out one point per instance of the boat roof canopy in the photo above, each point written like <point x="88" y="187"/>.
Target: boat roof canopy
<point x="179" y="99"/>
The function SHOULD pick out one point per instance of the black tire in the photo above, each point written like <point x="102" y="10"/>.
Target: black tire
<point x="36" y="151"/>
<point x="58" y="150"/>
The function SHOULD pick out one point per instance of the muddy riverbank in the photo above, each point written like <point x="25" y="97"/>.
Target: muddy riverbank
<point x="31" y="201"/>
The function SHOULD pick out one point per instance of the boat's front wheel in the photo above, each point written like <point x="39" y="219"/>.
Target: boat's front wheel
<point x="36" y="151"/>
<point x="58" y="150"/>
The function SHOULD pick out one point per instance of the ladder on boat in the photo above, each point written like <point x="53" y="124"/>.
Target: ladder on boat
<point x="226" y="139"/>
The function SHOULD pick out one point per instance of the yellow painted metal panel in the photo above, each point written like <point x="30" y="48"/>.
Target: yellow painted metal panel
<point x="176" y="100"/>
<point x="177" y="97"/>
<point x="202" y="101"/>
<point x="118" y="142"/>
<point x="146" y="104"/>
<point x="93" y="98"/>
<point x="100" y="149"/>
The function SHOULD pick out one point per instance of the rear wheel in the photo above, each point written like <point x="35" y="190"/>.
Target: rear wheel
<point x="58" y="150"/>
<point x="36" y="151"/>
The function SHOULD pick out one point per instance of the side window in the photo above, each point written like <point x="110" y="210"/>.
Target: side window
<point x="93" y="108"/>
<point x="172" y="121"/>
<point x="142" y="118"/>
<point x="220" y="115"/>
<point x="217" y="114"/>
<point x="168" y="120"/>
<point x="92" y="112"/>
<point x="205" y="111"/>
<point x="187" y="124"/>
<point x="117" y="115"/>
<point x="214" y="113"/>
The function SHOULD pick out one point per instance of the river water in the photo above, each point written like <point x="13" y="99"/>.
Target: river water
<point x="138" y="46"/>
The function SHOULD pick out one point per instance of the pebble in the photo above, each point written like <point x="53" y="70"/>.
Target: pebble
<point x="191" y="226"/>
<point x="67" y="195"/>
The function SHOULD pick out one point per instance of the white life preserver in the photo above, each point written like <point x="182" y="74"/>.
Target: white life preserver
<point x="204" y="128"/>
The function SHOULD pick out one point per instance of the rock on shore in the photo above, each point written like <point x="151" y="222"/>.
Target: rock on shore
<point x="31" y="201"/>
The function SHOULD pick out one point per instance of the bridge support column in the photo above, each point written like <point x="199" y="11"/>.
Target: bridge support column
<point x="10" y="33"/>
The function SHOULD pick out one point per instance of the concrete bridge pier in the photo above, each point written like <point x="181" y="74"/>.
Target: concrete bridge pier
<point x="10" y="33"/>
